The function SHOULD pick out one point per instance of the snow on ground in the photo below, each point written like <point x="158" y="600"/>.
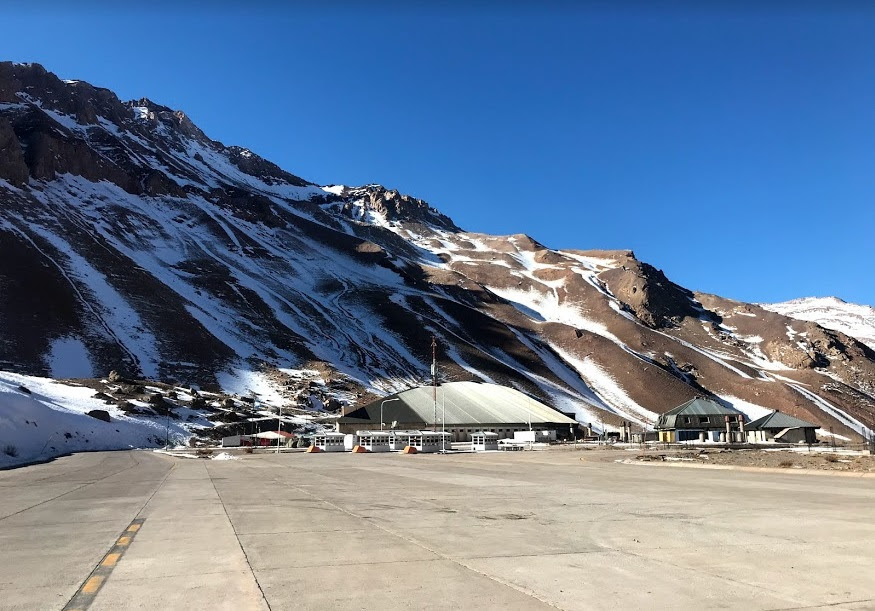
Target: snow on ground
<point x="115" y="313"/>
<point x="69" y="358"/>
<point x="303" y="374"/>
<point x="363" y="213"/>
<point x="826" y="434"/>
<point x="248" y="383"/>
<point x="833" y="411"/>
<point x="52" y="420"/>
<point x="61" y="119"/>
<point x="755" y="357"/>
<point x="214" y="167"/>
<point x="527" y="260"/>
<point x="714" y="356"/>
<point x="545" y="306"/>
<point x="224" y="456"/>
<point x="608" y="390"/>
<point x="591" y="263"/>
<point x="562" y="371"/>
<point x="454" y="355"/>
<point x="288" y="290"/>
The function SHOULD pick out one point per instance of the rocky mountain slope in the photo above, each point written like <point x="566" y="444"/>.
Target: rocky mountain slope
<point x="857" y="321"/>
<point x="129" y="240"/>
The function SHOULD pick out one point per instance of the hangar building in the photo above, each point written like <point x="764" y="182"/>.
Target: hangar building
<point x="468" y="407"/>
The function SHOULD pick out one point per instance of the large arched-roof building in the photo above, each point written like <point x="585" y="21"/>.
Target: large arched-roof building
<point x="462" y="407"/>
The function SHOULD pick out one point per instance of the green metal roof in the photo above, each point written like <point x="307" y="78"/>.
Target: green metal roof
<point x="779" y="420"/>
<point x="701" y="406"/>
<point x="466" y="404"/>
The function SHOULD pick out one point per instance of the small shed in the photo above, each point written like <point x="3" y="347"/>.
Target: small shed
<point x="329" y="442"/>
<point x="429" y="441"/>
<point x="374" y="441"/>
<point x="779" y="427"/>
<point x="534" y="436"/>
<point x="482" y="441"/>
<point x="398" y="440"/>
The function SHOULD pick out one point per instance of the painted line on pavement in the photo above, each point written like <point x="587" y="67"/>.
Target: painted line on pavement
<point x="89" y="589"/>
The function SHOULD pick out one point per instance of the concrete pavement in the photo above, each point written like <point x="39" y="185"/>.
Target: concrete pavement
<point x="522" y="530"/>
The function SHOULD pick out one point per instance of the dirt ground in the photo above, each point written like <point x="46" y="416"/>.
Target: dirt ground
<point x="787" y="459"/>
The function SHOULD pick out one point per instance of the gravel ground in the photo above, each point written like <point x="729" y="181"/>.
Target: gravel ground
<point x="787" y="459"/>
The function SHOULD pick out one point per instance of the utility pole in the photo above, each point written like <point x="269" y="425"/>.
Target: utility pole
<point x="279" y="427"/>
<point x="434" y="379"/>
<point x="167" y="425"/>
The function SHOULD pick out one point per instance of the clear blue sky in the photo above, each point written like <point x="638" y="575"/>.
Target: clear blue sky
<point x="733" y="148"/>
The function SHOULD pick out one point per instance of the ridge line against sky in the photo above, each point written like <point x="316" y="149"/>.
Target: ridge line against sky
<point x="734" y="151"/>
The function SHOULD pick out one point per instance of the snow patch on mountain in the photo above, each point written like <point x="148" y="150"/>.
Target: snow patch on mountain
<point x="69" y="358"/>
<point x="751" y="410"/>
<point x="609" y="391"/>
<point x="254" y="384"/>
<point x="852" y="319"/>
<point x="546" y="307"/>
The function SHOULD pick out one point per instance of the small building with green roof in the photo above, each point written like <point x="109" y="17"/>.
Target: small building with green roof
<point x="779" y="427"/>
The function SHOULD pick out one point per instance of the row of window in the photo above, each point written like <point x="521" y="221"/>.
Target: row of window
<point x="701" y="419"/>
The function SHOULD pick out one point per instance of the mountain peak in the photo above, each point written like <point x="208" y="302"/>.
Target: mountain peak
<point x="378" y="205"/>
<point x="852" y="319"/>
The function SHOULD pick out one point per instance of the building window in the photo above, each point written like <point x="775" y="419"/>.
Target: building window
<point x="703" y="419"/>
<point x="687" y="420"/>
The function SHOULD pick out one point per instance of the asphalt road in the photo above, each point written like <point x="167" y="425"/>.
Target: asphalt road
<point x="522" y="530"/>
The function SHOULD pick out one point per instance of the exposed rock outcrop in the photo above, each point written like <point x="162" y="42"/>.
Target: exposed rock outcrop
<point x="12" y="165"/>
<point x="654" y="299"/>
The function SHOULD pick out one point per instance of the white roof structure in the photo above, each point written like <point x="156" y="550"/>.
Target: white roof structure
<point x="465" y="404"/>
<point x="269" y="435"/>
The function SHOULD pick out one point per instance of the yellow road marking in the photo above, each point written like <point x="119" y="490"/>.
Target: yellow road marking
<point x="92" y="585"/>
<point x="85" y="595"/>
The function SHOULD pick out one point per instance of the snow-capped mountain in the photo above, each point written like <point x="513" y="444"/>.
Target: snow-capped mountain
<point x="857" y="321"/>
<point x="129" y="240"/>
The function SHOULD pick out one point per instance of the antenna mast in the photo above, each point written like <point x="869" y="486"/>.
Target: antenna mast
<point x="434" y="379"/>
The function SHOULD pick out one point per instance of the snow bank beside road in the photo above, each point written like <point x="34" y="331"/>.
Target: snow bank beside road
<point x="52" y="420"/>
